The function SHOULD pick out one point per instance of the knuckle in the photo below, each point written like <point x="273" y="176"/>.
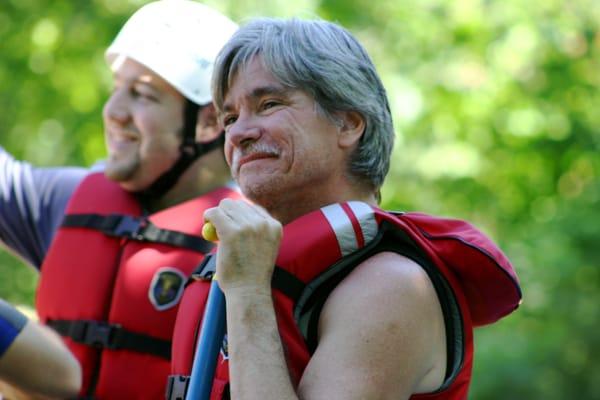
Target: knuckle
<point x="225" y="202"/>
<point x="208" y="213"/>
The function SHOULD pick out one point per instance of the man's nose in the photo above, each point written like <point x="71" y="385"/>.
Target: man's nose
<point x="116" y="107"/>
<point x="245" y="129"/>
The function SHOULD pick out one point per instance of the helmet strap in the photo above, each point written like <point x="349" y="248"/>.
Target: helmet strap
<point x="189" y="151"/>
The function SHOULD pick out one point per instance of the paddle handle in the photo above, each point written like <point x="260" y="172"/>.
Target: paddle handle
<point x="209" y="345"/>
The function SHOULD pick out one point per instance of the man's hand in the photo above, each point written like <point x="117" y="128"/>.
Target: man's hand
<point x="248" y="245"/>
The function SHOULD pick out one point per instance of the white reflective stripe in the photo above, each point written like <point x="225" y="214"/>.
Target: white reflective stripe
<point x="342" y="226"/>
<point x="366" y="217"/>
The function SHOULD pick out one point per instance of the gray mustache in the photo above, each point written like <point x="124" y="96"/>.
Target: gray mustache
<point x="259" y="147"/>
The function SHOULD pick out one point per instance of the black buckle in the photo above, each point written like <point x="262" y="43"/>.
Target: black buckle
<point x="177" y="386"/>
<point x="95" y="334"/>
<point x="130" y="227"/>
<point x="206" y="269"/>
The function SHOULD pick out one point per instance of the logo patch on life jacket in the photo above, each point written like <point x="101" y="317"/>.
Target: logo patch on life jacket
<point x="166" y="288"/>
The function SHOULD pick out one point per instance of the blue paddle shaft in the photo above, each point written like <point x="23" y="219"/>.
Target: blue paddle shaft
<point x="209" y="345"/>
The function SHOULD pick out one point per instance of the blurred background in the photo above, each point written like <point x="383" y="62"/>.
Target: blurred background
<point x="497" y="113"/>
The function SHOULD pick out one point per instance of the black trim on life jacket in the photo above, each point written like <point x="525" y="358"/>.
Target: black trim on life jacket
<point x="309" y="304"/>
<point x="287" y="283"/>
<point x="111" y="336"/>
<point x="136" y="228"/>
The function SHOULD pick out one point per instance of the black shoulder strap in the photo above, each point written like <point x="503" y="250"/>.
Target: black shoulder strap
<point x="140" y="229"/>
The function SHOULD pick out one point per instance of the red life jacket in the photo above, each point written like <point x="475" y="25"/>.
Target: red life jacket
<point x="474" y="281"/>
<point x="111" y="284"/>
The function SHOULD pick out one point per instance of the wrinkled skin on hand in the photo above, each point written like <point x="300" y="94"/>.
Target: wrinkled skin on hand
<point x="249" y="241"/>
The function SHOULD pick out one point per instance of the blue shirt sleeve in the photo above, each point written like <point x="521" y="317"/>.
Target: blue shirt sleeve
<point x="32" y="205"/>
<point x="11" y="324"/>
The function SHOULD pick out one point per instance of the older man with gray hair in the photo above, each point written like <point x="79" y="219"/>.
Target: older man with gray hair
<point x="328" y="296"/>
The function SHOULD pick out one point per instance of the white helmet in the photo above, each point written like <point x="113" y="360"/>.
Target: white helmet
<point x="178" y="40"/>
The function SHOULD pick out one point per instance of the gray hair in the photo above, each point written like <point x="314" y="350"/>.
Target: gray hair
<point x="327" y="62"/>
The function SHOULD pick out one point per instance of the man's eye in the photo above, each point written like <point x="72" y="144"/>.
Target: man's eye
<point x="136" y="93"/>
<point x="269" y="104"/>
<point x="229" y="120"/>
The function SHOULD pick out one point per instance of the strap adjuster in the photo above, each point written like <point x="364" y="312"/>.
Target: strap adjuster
<point x="177" y="386"/>
<point x="130" y="227"/>
<point x="94" y="333"/>
<point x="206" y="269"/>
<point x="101" y="335"/>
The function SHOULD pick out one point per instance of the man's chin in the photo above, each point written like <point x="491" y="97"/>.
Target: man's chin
<point x="259" y="192"/>
<point x="113" y="175"/>
<point x="125" y="180"/>
<point x="126" y="184"/>
<point x="118" y="172"/>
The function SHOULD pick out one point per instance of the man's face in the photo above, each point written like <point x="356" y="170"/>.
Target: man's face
<point x="279" y="148"/>
<point x="142" y="123"/>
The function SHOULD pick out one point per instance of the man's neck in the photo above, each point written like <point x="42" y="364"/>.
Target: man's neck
<point x="288" y="210"/>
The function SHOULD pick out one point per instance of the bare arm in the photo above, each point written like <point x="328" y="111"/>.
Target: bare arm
<point x="382" y="335"/>
<point x="381" y="331"/>
<point x="249" y="241"/>
<point x="38" y="361"/>
<point x="257" y="366"/>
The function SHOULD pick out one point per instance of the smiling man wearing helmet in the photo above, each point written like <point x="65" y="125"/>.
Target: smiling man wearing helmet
<point x="159" y="61"/>
<point x="116" y="247"/>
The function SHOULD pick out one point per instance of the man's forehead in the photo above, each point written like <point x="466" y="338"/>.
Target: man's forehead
<point x="127" y="69"/>
<point x="144" y="77"/>
<point x="252" y="84"/>
<point x="130" y="67"/>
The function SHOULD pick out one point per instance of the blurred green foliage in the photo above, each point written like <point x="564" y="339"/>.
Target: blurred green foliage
<point x="496" y="109"/>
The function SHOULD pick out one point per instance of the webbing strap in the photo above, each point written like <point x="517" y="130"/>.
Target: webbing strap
<point x="282" y="280"/>
<point x="111" y="336"/>
<point x="287" y="283"/>
<point x="140" y="229"/>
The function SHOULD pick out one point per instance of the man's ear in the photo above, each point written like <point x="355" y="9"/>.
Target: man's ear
<point x="207" y="127"/>
<point x="352" y="126"/>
